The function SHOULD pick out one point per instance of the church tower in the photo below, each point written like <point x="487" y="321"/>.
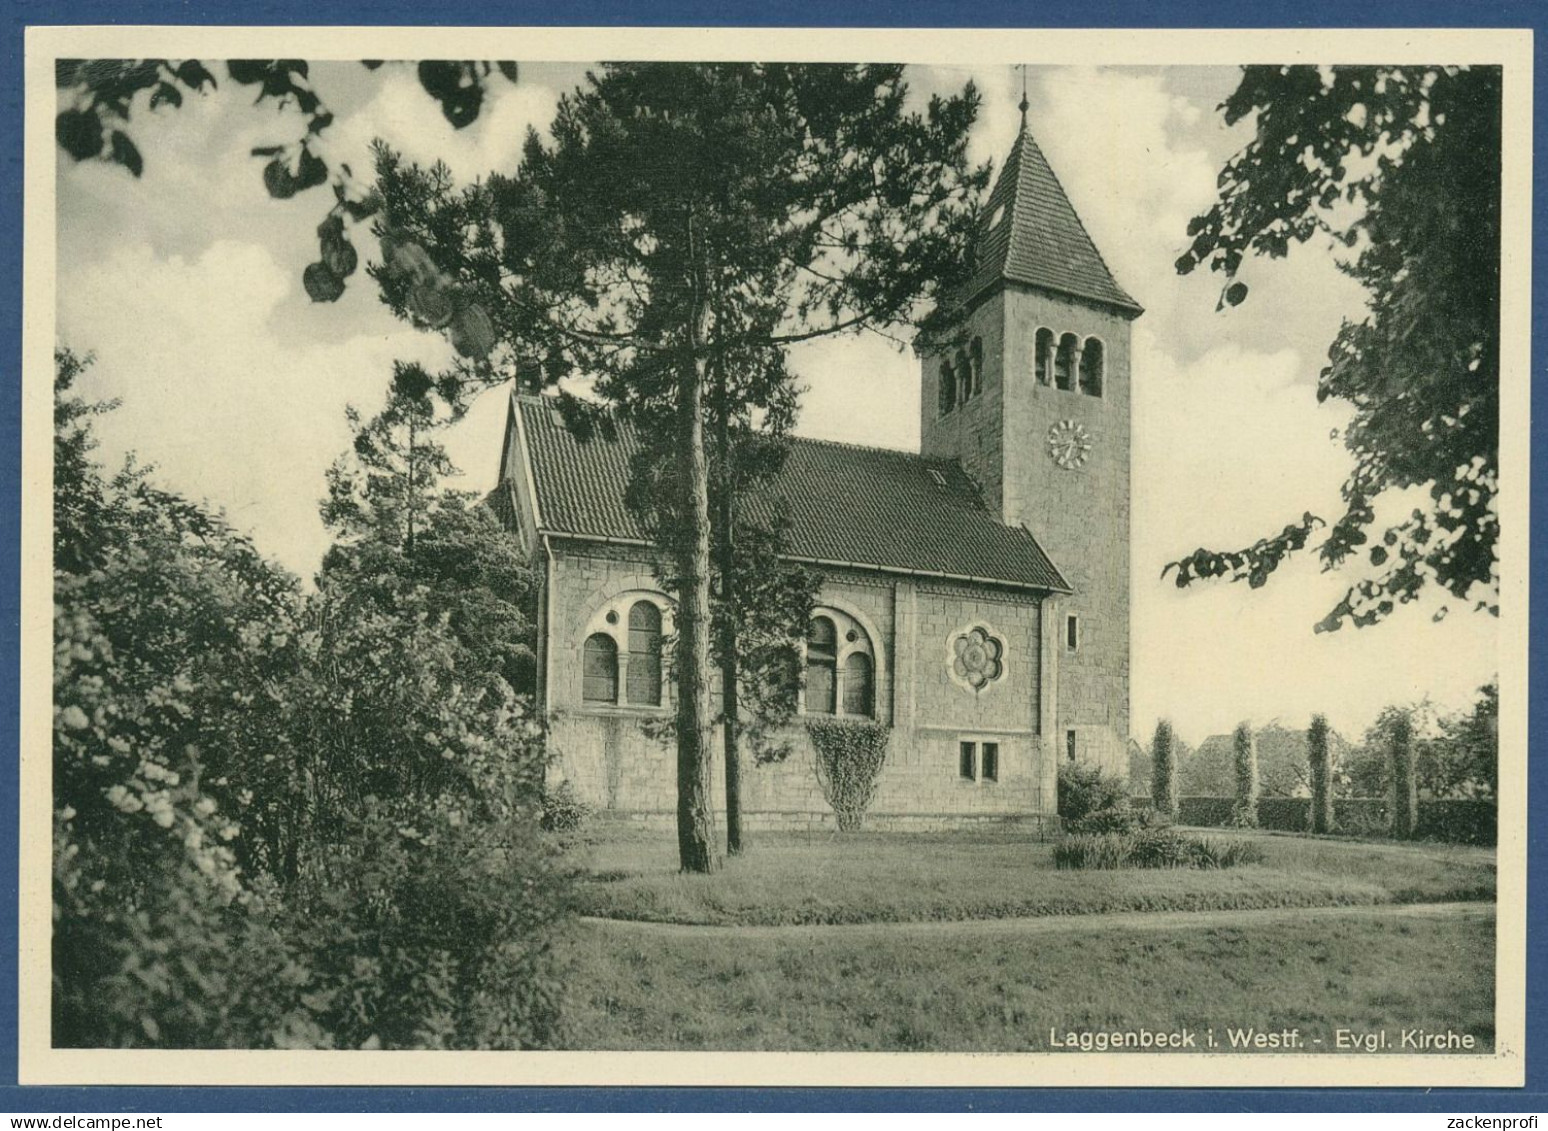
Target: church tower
<point x="1035" y="405"/>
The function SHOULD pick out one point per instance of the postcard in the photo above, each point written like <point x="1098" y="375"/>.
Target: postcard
<point x="772" y="557"/>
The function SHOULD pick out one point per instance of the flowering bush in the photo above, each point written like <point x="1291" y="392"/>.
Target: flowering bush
<point x="430" y="932"/>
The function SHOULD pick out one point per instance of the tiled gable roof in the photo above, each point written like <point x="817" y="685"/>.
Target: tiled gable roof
<point x="1033" y="235"/>
<point x="843" y="504"/>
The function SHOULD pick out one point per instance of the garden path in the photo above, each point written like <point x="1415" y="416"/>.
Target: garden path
<point x="1056" y="924"/>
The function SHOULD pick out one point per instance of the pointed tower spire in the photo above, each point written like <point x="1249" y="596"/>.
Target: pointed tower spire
<point x="1024" y="102"/>
<point x="1033" y="236"/>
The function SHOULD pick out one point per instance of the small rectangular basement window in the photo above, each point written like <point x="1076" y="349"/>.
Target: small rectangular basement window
<point x="978" y="761"/>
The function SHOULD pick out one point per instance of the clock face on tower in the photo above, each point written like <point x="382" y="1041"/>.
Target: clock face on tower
<point x="1068" y="444"/>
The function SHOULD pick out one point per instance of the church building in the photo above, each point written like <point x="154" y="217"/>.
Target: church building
<point x="975" y="595"/>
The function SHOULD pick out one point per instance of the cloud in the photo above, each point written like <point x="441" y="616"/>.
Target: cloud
<point x="186" y="283"/>
<point x="411" y="121"/>
<point x="1172" y="150"/>
<point x="861" y="389"/>
<point x="216" y="390"/>
<point x="1086" y="118"/>
<point x="1228" y="449"/>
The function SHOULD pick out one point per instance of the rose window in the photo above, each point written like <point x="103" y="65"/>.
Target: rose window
<point x="978" y="659"/>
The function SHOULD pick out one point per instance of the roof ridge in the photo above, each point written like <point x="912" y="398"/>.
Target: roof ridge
<point x="1013" y="159"/>
<point x="548" y="400"/>
<point x="867" y="448"/>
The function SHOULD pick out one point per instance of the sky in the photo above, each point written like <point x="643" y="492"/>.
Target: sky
<point x="186" y="285"/>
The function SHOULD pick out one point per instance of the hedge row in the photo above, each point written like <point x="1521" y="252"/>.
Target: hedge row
<point x="1456" y="821"/>
<point x="1464" y="822"/>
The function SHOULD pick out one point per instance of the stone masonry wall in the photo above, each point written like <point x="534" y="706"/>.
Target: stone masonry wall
<point x="616" y="765"/>
<point x="1080" y="516"/>
<point x="973" y="432"/>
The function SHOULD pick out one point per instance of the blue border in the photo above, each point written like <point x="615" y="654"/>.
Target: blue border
<point x="816" y="13"/>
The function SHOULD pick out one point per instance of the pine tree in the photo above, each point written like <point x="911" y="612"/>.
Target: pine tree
<point x="686" y="225"/>
<point x="402" y="537"/>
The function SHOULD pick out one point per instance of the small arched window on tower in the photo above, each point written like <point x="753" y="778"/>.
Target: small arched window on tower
<point x="599" y="668"/>
<point x="645" y="654"/>
<point x="821" y="667"/>
<point x="1091" y="362"/>
<point x="948" y="389"/>
<point x="976" y="365"/>
<point x="1044" y="357"/>
<point x="1064" y="362"/>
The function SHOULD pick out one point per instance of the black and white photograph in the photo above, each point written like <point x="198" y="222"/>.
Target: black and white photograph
<point x="630" y="555"/>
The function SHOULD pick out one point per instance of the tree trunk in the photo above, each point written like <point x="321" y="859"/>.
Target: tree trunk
<point x="696" y="842"/>
<point x="731" y="714"/>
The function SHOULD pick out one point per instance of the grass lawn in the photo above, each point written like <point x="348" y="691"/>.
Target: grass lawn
<point x="794" y="878"/>
<point x="970" y="987"/>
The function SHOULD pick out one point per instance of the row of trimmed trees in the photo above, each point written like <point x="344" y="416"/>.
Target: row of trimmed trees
<point x="1400" y="752"/>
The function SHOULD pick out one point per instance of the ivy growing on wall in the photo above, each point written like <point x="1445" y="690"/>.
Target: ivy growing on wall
<point x="849" y="761"/>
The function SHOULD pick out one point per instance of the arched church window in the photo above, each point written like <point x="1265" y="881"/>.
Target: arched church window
<point x="644" y="684"/>
<point x="976" y="365"/>
<point x="1064" y="362"/>
<point x="1091" y="361"/>
<point x="1043" y="357"/>
<point x="859" y="685"/>
<point x="599" y="669"/>
<point x="964" y="378"/>
<point x="821" y="667"/>
<point x="948" y="389"/>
